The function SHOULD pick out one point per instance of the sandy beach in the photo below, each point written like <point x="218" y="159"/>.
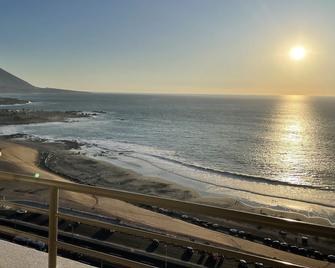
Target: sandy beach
<point x="24" y="159"/>
<point x="56" y="160"/>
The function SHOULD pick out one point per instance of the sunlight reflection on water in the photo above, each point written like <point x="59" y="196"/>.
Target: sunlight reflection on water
<point x="295" y="135"/>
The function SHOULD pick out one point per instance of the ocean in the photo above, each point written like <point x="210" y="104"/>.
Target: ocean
<point x="277" y="152"/>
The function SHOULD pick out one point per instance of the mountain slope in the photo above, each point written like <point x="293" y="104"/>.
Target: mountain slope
<point x="11" y="84"/>
<point x="9" y="81"/>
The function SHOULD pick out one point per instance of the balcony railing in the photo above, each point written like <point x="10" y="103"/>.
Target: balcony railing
<point x="212" y="211"/>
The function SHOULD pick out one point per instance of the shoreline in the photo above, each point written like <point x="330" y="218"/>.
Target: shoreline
<point x="23" y="155"/>
<point x="16" y="155"/>
<point x="239" y="199"/>
<point x="307" y="204"/>
<point x="57" y="157"/>
<point x="97" y="172"/>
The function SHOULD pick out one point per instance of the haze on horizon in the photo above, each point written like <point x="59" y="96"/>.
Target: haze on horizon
<point x="191" y="46"/>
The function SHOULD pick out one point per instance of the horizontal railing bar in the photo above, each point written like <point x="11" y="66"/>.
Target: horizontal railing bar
<point x="282" y="223"/>
<point x="102" y="256"/>
<point x="169" y="240"/>
<point x="180" y="242"/>
<point x="104" y="243"/>
<point x="15" y="232"/>
<point x="127" y="249"/>
<point x="153" y="235"/>
<point x="23" y="206"/>
<point x="165" y="238"/>
<point x="88" y="252"/>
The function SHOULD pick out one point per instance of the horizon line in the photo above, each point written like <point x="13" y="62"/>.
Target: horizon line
<point x="184" y="93"/>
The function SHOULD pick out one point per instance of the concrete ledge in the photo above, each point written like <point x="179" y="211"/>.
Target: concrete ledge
<point x="16" y="256"/>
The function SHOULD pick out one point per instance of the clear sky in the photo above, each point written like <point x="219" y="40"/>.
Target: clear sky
<point x="174" y="46"/>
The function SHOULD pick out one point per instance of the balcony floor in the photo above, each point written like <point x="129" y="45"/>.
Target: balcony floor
<point x="16" y="256"/>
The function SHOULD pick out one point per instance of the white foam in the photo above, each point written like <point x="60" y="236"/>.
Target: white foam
<point x="144" y="160"/>
<point x="16" y="104"/>
<point x="9" y="130"/>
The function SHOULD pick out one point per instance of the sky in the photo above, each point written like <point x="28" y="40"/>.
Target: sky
<point x="175" y="46"/>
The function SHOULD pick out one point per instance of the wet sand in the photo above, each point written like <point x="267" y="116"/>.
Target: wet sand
<point x="57" y="158"/>
<point x="57" y="161"/>
<point x="26" y="159"/>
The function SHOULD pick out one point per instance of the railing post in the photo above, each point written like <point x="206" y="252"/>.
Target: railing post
<point x="53" y="226"/>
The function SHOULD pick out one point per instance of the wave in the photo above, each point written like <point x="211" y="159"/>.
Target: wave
<point x="240" y="176"/>
<point x="100" y="147"/>
<point x="241" y="189"/>
<point x="16" y="104"/>
<point x="129" y="148"/>
<point x="165" y="155"/>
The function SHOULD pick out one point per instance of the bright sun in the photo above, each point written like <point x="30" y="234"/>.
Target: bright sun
<point x="297" y="53"/>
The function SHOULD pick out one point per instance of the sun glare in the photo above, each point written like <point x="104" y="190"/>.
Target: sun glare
<point x="297" y="53"/>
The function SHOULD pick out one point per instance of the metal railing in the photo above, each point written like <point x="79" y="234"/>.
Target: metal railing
<point x="54" y="215"/>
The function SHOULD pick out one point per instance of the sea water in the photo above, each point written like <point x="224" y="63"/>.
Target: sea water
<point x="271" y="151"/>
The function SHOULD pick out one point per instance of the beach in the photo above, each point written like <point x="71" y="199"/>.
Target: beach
<point x="62" y="160"/>
<point x="23" y="159"/>
<point x="236" y="147"/>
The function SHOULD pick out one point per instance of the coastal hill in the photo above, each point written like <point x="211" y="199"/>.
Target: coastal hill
<point x="10" y="83"/>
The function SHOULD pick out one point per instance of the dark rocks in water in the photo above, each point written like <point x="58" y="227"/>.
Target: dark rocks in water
<point x="73" y="144"/>
<point x="12" y="101"/>
<point x="27" y="116"/>
<point x="16" y="136"/>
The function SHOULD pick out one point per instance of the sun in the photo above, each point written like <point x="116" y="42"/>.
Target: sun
<point x="297" y="53"/>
